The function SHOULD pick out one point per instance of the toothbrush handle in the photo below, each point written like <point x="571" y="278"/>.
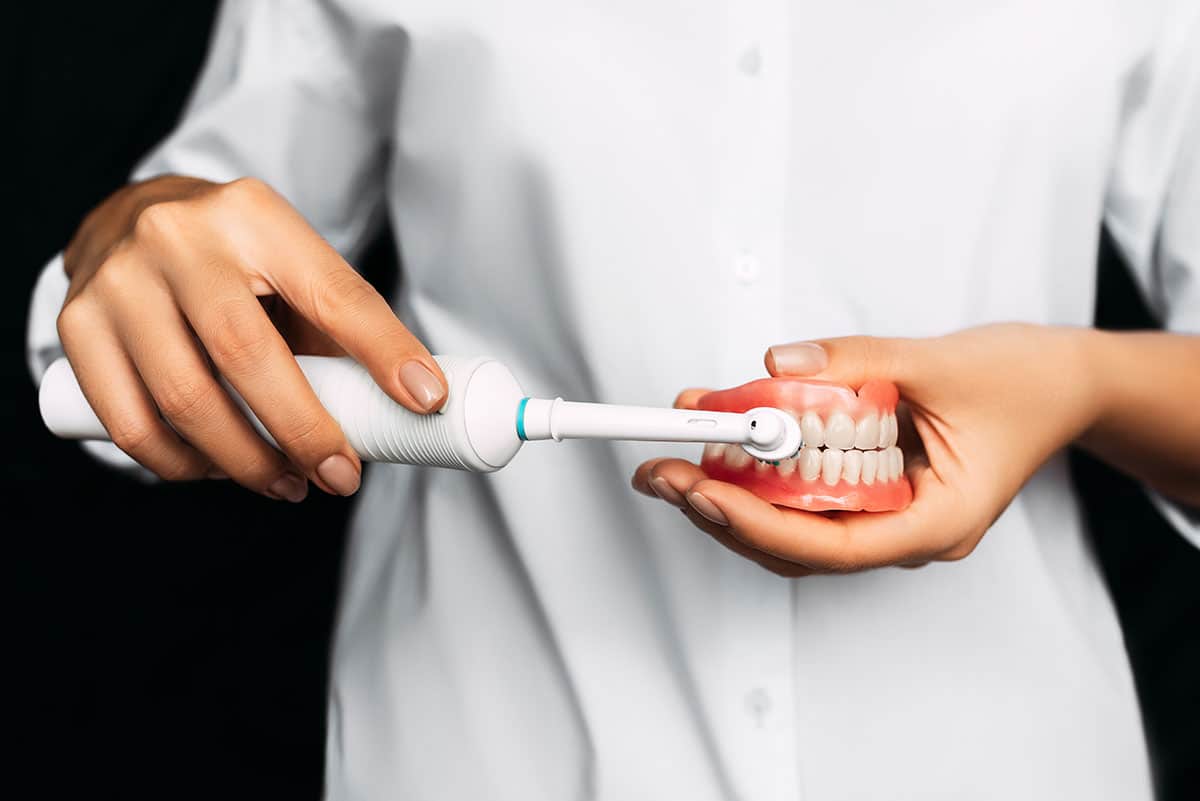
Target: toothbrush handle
<point x="559" y="419"/>
<point x="377" y="428"/>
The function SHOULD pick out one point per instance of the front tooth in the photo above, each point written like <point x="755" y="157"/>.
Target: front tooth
<point x="812" y="430"/>
<point x="786" y="467"/>
<point x="888" y="431"/>
<point x="839" y="433"/>
<point x="831" y="466"/>
<point x="714" y="451"/>
<point x="866" y="433"/>
<point x="852" y="466"/>
<point x="810" y="463"/>
<point x="870" y="467"/>
<point x="897" y="462"/>
<point x="736" y="457"/>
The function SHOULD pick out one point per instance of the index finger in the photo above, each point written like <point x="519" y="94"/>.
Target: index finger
<point x="337" y="300"/>
<point x="840" y="543"/>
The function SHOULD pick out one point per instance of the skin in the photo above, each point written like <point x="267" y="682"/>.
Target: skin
<point x="175" y="277"/>
<point x="985" y="408"/>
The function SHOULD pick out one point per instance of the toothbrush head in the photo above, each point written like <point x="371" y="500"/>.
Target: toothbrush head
<point x="774" y="434"/>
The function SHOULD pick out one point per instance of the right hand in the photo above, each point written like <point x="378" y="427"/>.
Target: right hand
<point x="173" y="278"/>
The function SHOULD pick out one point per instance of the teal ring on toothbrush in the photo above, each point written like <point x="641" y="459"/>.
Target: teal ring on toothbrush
<point x="521" y="419"/>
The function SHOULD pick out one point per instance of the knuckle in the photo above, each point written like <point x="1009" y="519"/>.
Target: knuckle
<point x="305" y="435"/>
<point x="185" y="398"/>
<point x="341" y="292"/>
<point x="959" y="552"/>
<point x="132" y="433"/>
<point x="158" y="222"/>
<point x="181" y="470"/>
<point x="237" y="342"/>
<point x="117" y="278"/>
<point x="247" y="189"/>
<point x="75" y="317"/>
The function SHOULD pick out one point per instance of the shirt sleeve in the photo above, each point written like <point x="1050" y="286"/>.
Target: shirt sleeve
<point x="292" y="92"/>
<point x="1152" y="208"/>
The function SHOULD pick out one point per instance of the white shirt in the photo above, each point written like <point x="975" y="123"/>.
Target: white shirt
<point x="622" y="199"/>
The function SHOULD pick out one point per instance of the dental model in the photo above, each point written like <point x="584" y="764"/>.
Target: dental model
<point x="849" y="461"/>
<point x="482" y="425"/>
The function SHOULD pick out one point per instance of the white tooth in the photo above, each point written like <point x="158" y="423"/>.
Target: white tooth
<point x="883" y="429"/>
<point x="839" y="433"/>
<point x="888" y="431"/>
<point x="831" y="465"/>
<point x="736" y="458"/>
<point x="714" y="451"/>
<point x="812" y="429"/>
<point x="897" y="462"/>
<point x="762" y="467"/>
<point x="786" y="467"/>
<point x="852" y="466"/>
<point x="887" y="465"/>
<point x="866" y="433"/>
<point x="810" y="463"/>
<point x="870" y="466"/>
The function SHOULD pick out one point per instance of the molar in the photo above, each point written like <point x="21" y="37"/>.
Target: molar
<point x="897" y="461"/>
<point x="812" y="430"/>
<point x="866" y="432"/>
<point x="714" y="451"/>
<point x="787" y="466"/>
<point x="852" y="466"/>
<point x="831" y="465"/>
<point x="839" y="433"/>
<point x="870" y="467"/>
<point x="810" y="463"/>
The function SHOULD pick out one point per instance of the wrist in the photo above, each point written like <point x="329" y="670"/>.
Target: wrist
<point x="1091" y="353"/>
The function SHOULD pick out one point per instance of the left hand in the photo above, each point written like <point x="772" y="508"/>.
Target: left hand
<point x="986" y="407"/>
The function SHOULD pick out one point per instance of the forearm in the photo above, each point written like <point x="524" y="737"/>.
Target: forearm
<point x="1147" y="421"/>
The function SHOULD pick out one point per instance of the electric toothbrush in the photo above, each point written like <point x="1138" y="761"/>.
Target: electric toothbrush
<point x="484" y="422"/>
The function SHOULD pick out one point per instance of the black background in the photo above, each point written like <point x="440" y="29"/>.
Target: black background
<point x="173" y="642"/>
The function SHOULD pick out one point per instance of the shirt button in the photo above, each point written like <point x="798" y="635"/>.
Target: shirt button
<point x="758" y="704"/>
<point x="750" y="61"/>
<point x="746" y="268"/>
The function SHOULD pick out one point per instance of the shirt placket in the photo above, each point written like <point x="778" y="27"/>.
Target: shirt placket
<point x="757" y="717"/>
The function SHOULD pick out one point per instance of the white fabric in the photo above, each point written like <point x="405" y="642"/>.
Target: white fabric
<point x="622" y="199"/>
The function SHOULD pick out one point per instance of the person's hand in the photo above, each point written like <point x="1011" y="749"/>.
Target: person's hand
<point x="981" y="411"/>
<point x="174" y="277"/>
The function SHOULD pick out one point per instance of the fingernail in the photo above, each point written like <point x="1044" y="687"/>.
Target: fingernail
<point x="799" y="358"/>
<point x="339" y="474"/>
<point x="707" y="508"/>
<point x="423" y="385"/>
<point x="289" y="487"/>
<point x="663" y="489"/>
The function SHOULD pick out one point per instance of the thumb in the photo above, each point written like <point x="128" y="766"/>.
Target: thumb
<point x="847" y="360"/>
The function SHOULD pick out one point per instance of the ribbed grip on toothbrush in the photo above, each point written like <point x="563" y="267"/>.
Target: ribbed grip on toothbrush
<point x="475" y="429"/>
<point x="379" y="429"/>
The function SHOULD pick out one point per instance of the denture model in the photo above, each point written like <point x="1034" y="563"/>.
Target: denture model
<point x="849" y="461"/>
